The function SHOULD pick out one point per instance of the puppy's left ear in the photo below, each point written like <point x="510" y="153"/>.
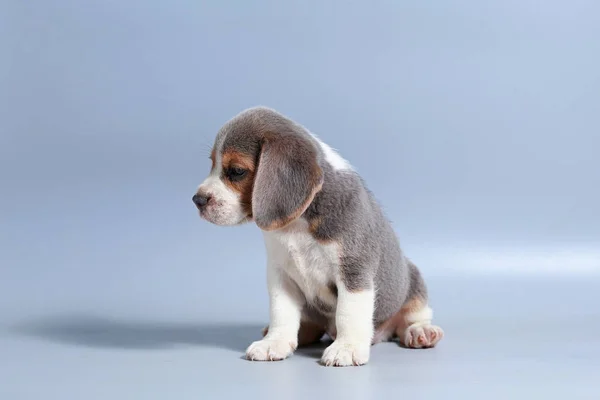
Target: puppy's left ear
<point x="287" y="180"/>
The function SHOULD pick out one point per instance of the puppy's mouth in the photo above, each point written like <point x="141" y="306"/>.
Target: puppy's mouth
<point x="206" y="213"/>
<point x="217" y="215"/>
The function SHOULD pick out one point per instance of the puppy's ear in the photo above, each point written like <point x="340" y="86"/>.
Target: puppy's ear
<point x="287" y="180"/>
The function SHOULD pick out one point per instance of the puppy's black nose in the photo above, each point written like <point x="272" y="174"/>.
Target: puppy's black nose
<point x="200" y="200"/>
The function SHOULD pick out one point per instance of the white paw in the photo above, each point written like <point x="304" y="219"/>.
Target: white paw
<point x="270" y="350"/>
<point x="343" y="354"/>
<point x="422" y="336"/>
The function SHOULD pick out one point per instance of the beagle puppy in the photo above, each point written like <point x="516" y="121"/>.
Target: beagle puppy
<point x="334" y="263"/>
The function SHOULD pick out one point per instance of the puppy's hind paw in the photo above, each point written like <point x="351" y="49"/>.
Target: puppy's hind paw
<point x="421" y="336"/>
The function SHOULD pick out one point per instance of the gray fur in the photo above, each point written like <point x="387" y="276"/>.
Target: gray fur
<point x="371" y="252"/>
<point x="417" y="288"/>
<point x="344" y="210"/>
<point x="287" y="179"/>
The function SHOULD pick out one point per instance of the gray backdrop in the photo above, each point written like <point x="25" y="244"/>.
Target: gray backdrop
<point x="476" y="124"/>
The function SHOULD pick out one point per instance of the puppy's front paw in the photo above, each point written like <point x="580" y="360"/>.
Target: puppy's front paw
<point x="270" y="350"/>
<point x="343" y="354"/>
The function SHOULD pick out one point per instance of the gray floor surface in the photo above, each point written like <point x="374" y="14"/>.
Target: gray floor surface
<point x="506" y="338"/>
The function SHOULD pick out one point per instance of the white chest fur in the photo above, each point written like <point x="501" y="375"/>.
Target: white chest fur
<point x="310" y="264"/>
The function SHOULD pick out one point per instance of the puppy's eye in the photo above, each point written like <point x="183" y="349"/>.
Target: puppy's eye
<point x="236" y="173"/>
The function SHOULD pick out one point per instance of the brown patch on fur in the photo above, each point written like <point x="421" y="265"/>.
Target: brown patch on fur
<point x="413" y="305"/>
<point x="309" y="333"/>
<point x="233" y="158"/>
<point x="410" y="306"/>
<point x="314" y="224"/>
<point x="413" y="328"/>
<point x="244" y="187"/>
<point x="397" y="322"/>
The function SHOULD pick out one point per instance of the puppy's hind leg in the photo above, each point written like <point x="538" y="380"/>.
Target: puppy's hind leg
<point x="414" y="327"/>
<point x="413" y="321"/>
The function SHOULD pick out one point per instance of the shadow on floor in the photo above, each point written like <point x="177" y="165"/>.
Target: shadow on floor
<point x="101" y="332"/>
<point x="314" y="350"/>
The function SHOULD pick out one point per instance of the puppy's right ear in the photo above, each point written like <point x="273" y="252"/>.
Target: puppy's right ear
<point x="287" y="180"/>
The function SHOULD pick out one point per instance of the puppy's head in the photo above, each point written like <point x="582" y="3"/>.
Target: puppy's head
<point x="264" y="168"/>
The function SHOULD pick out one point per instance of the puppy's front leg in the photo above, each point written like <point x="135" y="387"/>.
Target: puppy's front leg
<point x="354" y="325"/>
<point x="285" y="308"/>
